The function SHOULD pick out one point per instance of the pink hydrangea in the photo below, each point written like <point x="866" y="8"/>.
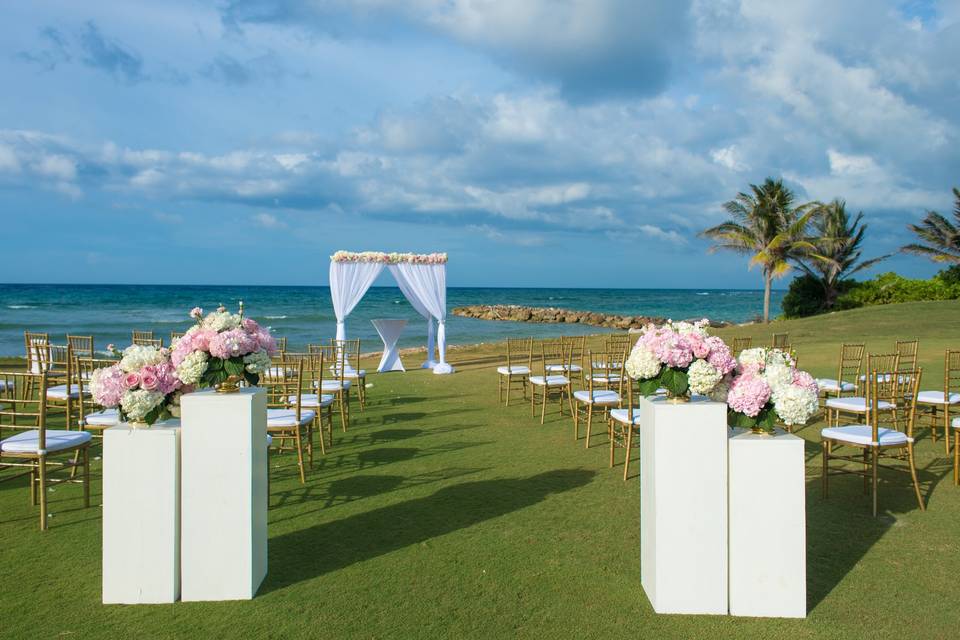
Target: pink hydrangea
<point x="720" y="355"/>
<point x="805" y="380"/>
<point x="748" y="395"/>
<point x="107" y="386"/>
<point x="167" y="381"/>
<point x="233" y="343"/>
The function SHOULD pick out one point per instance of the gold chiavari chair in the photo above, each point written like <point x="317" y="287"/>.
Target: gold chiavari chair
<point x="576" y="365"/>
<point x="31" y="340"/>
<point x="518" y="368"/>
<point x="281" y="344"/>
<point x="623" y="424"/>
<point x="618" y="342"/>
<point x="332" y="381"/>
<point x="146" y="342"/>
<point x="65" y="394"/>
<point x="604" y="389"/>
<point x="287" y="420"/>
<point x="139" y="337"/>
<point x="36" y="447"/>
<point x="908" y="349"/>
<point x="854" y="407"/>
<point x="353" y="372"/>
<point x="877" y="442"/>
<point x="175" y="335"/>
<point x="938" y="403"/>
<point x="320" y="403"/>
<point x="80" y="346"/>
<point x="848" y="372"/>
<point x="554" y="355"/>
<point x="92" y="416"/>
<point x="781" y="341"/>
<point x="740" y="345"/>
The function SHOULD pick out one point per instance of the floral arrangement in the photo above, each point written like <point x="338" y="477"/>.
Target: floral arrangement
<point x="767" y="385"/>
<point x="222" y="345"/>
<point x="389" y="258"/>
<point x="143" y="385"/>
<point x="681" y="357"/>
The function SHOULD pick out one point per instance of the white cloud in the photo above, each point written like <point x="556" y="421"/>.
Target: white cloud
<point x="729" y="157"/>
<point x="843" y="164"/>
<point x="268" y="221"/>
<point x="8" y="159"/>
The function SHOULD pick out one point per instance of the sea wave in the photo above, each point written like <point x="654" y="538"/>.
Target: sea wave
<point x="275" y="317"/>
<point x="20" y="306"/>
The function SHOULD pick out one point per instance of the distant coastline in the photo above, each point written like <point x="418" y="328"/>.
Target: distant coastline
<point x="555" y="315"/>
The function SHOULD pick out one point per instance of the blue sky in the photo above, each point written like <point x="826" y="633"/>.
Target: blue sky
<point x="544" y="142"/>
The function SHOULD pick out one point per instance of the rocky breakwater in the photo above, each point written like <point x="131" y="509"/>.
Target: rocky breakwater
<point x="552" y="315"/>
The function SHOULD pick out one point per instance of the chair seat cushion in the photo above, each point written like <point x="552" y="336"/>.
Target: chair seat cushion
<point x="277" y="418"/>
<point x="332" y="385"/>
<point x="355" y="373"/>
<point x="835" y="386"/>
<point x="105" y="418"/>
<point x="936" y="397"/>
<point x="4" y="385"/>
<point x="599" y="397"/>
<point x="269" y="439"/>
<point x="551" y="381"/>
<point x="620" y="415"/>
<point x="605" y="379"/>
<point x="313" y="400"/>
<point x="280" y="372"/>
<point x="513" y="371"/>
<point x="57" y="440"/>
<point x="863" y="435"/>
<point x="857" y="404"/>
<point x="608" y="365"/>
<point x="60" y="392"/>
<point x="955" y="423"/>
<point x="554" y="368"/>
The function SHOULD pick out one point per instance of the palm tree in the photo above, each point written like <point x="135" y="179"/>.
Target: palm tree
<point x="940" y="239"/>
<point x="765" y="224"/>
<point x="836" y="251"/>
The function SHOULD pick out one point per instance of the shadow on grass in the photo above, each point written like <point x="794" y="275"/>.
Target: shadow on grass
<point x="315" y="551"/>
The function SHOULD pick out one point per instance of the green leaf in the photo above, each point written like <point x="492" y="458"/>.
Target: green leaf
<point x="251" y="378"/>
<point x="234" y="367"/>
<point x="675" y="381"/>
<point x="215" y="364"/>
<point x="649" y="386"/>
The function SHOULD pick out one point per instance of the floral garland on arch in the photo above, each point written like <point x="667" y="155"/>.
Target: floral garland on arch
<point x="681" y="357"/>
<point x="389" y="258"/>
<point x="767" y="385"/>
<point x="143" y="385"/>
<point x="222" y="345"/>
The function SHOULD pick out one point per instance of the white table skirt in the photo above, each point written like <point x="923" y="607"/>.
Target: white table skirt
<point x="390" y="330"/>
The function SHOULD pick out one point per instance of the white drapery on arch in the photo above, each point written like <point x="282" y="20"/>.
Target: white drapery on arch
<point x="423" y="285"/>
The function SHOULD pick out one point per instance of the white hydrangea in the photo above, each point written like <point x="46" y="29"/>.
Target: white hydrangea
<point x="795" y="404"/>
<point x="778" y="376"/>
<point x="721" y="390"/>
<point x="138" y="403"/>
<point x="685" y="328"/>
<point x="222" y="321"/>
<point x="642" y="364"/>
<point x="778" y="356"/>
<point x="136" y="357"/>
<point x="257" y="362"/>
<point x="703" y="377"/>
<point x="756" y="356"/>
<point x="192" y="367"/>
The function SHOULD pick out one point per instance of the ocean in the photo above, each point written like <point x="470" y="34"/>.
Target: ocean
<point x="305" y="314"/>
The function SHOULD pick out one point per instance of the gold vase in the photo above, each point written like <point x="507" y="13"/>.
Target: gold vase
<point x="229" y="385"/>
<point x="760" y="431"/>
<point x="138" y="424"/>
<point x="677" y="399"/>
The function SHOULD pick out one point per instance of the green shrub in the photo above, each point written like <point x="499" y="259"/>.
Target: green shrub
<point x="889" y="288"/>
<point x="950" y="275"/>
<point x="806" y="296"/>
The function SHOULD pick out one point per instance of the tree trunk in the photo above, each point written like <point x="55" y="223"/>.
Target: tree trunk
<point x="767" y="277"/>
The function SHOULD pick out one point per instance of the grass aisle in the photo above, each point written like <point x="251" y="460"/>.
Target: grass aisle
<point x="441" y="515"/>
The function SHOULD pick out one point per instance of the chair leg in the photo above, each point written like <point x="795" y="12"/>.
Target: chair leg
<point x="866" y="466"/>
<point x="500" y="390"/>
<point x="825" y="448"/>
<point x="946" y="430"/>
<point x="626" y="459"/>
<point x="33" y="487"/>
<point x="299" y="445"/>
<point x="913" y="474"/>
<point x="543" y="407"/>
<point x="42" y="488"/>
<point x="586" y="443"/>
<point x="610" y="436"/>
<point x="576" y="422"/>
<point x="533" y="400"/>
<point x="86" y="477"/>
<point x="875" y="457"/>
<point x="310" y="443"/>
<point x="343" y="412"/>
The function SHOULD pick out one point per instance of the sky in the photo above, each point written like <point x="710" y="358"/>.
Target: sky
<point x="540" y="143"/>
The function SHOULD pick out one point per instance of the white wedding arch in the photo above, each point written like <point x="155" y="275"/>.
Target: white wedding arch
<point x="422" y="279"/>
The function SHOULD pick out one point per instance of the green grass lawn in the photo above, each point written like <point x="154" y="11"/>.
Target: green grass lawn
<point x="443" y="515"/>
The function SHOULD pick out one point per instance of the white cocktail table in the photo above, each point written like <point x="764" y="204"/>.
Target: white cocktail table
<point x="389" y="330"/>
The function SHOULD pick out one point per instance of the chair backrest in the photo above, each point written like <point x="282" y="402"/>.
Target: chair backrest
<point x="281" y="344"/>
<point x="577" y="346"/>
<point x="908" y="353"/>
<point x="741" y="344"/>
<point x="141" y="335"/>
<point x="906" y="384"/>
<point x="781" y="341"/>
<point x="951" y="372"/>
<point x="350" y="350"/>
<point x="606" y="371"/>
<point x="176" y="335"/>
<point x="149" y="342"/>
<point x="282" y="384"/>
<point x="23" y="402"/>
<point x="554" y="357"/>
<point x="82" y="346"/>
<point x="618" y="342"/>
<point x="30" y="340"/>
<point x="851" y="361"/>
<point x="520" y="350"/>
<point x="334" y="362"/>
<point x="882" y="368"/>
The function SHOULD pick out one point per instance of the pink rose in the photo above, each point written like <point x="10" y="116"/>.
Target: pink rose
<point x="149" y="381"/>
<point x="196" y="313"/>
<point x="131" y="380"/>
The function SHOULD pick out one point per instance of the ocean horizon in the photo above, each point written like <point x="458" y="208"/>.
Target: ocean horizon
<point x="304" y="313"/>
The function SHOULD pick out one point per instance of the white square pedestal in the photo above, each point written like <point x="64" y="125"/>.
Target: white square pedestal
<point x="768" y="545"/>
<point x="683" y="505"/>
<point x="141" y="514"/>
<point x="223" y="544"/>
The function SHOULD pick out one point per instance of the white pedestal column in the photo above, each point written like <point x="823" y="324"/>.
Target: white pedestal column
<point x="768" y="534"/>
<point x="683" y="505"/>
<point x="389" y="331"/>
<point x="141" y="514"/>
<point x="224" y="506"/>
